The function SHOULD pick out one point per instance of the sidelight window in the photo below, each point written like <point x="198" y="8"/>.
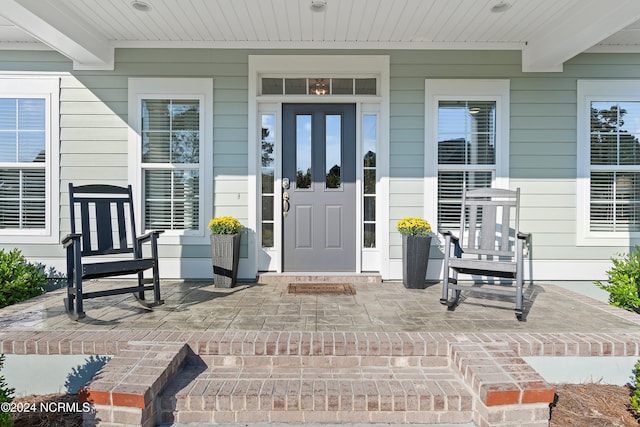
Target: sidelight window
<point x="268" y="158"/>
<point x="369" y="165"/>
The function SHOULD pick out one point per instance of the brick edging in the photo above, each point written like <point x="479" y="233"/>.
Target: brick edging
<point x="490" y="365"/>
<point x="324" y="343"/>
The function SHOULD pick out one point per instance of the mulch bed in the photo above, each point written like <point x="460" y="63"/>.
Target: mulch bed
<point x="576" y="405"/>
<point x="592" y="405"/>
<point x="56" y="417"/>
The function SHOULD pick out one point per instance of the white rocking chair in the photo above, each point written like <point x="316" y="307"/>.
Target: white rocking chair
<point x="490" y="244"/>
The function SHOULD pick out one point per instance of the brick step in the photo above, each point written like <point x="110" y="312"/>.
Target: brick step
<point x="324" y="377"/>
<point x="314" y="389"/>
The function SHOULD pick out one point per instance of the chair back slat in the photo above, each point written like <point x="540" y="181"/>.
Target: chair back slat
<point x="106" y="218"/>
<point x="506" y="230"/>
<point x="104" y="229"/>
<point x="85" y="224"/>
<point x="488" y="227"/>
<point x="122" y="227"/>
<point x="488" y="233"/>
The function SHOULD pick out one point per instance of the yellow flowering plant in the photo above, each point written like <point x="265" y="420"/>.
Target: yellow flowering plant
<point x="413" y="227"/>
<point x="225" y="225"/>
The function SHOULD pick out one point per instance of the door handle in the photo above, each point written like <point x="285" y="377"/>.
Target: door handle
<point x="285" y="203"/>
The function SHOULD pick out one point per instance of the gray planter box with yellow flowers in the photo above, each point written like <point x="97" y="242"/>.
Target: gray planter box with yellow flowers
<point x="416" y="244"/>
<point x="225" y="250"/>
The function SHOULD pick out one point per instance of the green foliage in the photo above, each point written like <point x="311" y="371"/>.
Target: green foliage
<point x="6" y="395"/>
<point x="623" y="281"/>
<point x="635" y="397"/>
<point x="19" y="279"/>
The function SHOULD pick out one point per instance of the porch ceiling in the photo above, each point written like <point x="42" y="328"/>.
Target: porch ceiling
<point x="547" y="32"/>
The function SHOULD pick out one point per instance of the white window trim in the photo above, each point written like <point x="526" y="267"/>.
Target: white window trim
<point x="324" y="66"/>
<point x="436" y="90"/>
<point x="588" y="91"/>
<point x="190" y="88"/>
<point x="46" y="87"/>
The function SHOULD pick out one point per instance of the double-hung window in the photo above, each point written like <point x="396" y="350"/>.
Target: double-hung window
<point x="171" y="120"/>
<point x="608" y="162"/>
<point x="466" y="143"/>
<point x="29" y="159"/>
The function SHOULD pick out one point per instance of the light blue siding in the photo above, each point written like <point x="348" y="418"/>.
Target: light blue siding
<point x="93" y="137"/>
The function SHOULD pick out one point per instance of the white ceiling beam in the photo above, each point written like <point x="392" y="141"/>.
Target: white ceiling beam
<point x="61" y="29"/>
<point x="580" y="28"/>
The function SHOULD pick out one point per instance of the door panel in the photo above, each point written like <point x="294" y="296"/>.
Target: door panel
<point x="319" y="225"/>
<point x="333" y="227"/>
<point x="304" y="221"/>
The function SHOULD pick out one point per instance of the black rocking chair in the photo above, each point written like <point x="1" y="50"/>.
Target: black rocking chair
<point x="107" y="227"/>
<point x="490" y="244"/>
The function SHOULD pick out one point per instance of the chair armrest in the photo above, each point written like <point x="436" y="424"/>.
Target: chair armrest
<point x="527" y="242"/>
<point x="70" y="239"/>
<point x="525" y="236"/>
<point x="453" y="237"/>
<point x="146" y="236"/>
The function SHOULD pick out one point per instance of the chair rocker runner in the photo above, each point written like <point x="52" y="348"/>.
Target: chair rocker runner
<point x="490" y="244"/>
<point x="107" y="227"/>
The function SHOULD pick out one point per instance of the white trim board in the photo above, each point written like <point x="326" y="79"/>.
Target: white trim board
<point x="324" y="66"/>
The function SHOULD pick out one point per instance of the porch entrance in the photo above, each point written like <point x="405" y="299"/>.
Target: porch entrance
<point x="319" y="187"/>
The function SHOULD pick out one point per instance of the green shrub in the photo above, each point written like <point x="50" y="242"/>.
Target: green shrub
<point x="624" y="278"/>
<point x="19" y="279"/>
<point x="6" y="395"/>
<point x="635" y="397"/>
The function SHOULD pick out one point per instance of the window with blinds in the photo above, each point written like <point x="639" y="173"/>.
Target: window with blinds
<point x="615" y="167"/>
<point x="466" y="153"/>
<point x="23" y="136"/>
<point x="170" y="133"/>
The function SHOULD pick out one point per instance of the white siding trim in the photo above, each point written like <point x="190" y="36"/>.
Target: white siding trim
<point x="327" y="66"/>
<point x="48" y="87"/>
<point x="174" y="87"/>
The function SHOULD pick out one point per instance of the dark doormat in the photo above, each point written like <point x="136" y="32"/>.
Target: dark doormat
<point x="322" y="289"/>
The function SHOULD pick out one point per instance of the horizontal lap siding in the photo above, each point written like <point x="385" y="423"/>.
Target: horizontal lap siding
<point x="544" y="150"/>
<point x="543" y="161"/>
<point x="228" y="69"/>
<point x="409" y="70"/>
<point x="94" y="129"/>
<point x="542" y="147"/>
<point x="542" y="139"/>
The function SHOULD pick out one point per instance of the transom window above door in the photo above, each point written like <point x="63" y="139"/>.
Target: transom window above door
<point x="318" y="86"/>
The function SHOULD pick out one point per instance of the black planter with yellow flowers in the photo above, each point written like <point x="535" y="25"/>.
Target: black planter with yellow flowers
<point x="225" y="257"/>
<point x="415" y="259"/>
<point x="226" y="232"/>
<point x="416" y="244"/>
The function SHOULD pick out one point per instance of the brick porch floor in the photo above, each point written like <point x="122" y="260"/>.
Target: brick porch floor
<point x="255" y="354"/>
